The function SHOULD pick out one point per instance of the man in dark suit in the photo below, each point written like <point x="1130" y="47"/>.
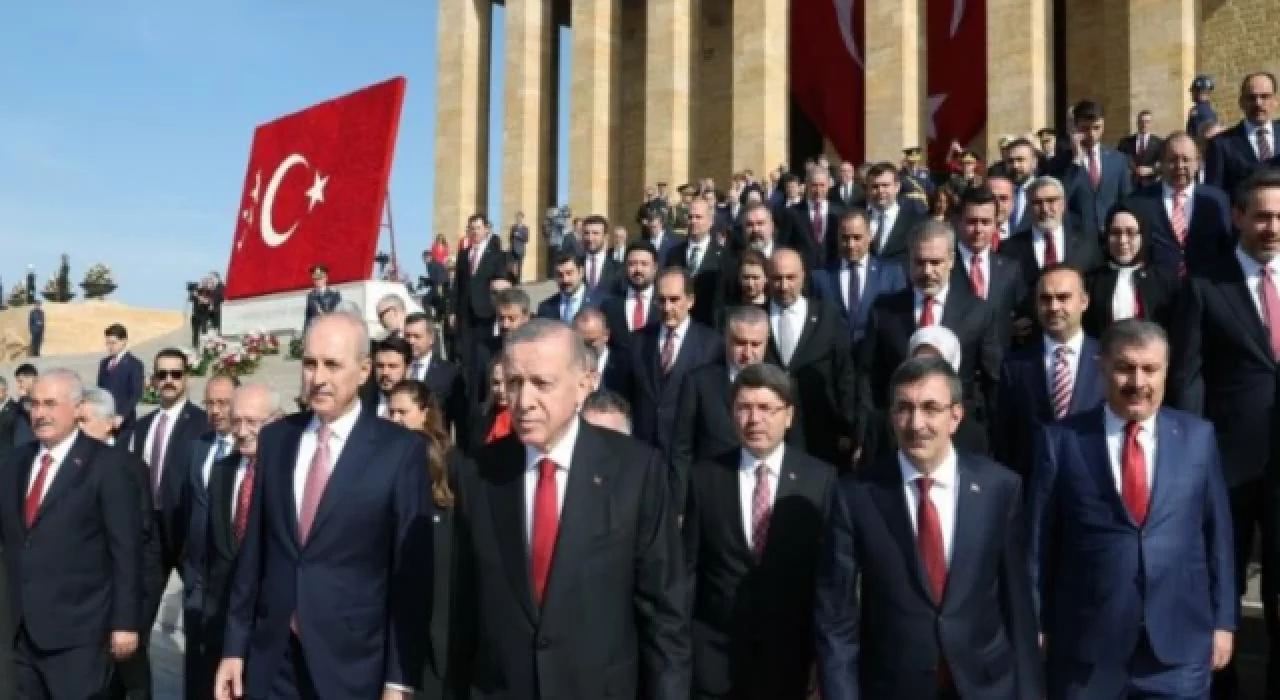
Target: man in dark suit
<point x="1099" y="177"/>
<point x="444" y="379"/>
<point x="923" y="590"/>
<point x="637" y="306"/>
<point x="991" y="276"/>
<point x="75" y="581"/>
<point x="809" y="339"/>
<point x="613" y="364"/>
<point x="1187" y="225"/>
<point x="1233" y="155"/>
<point x="604" y="275"/>
<point x="753" y="527"/>
<point x="473" y="312"/>
<point x="1049" y="241"/>
<point x="656" y="233"/>
<point x="846" y="192"/>
<point x="574" y="294"/>
<point x="321" y="299"/>
<point x="662" y="354"/>
<point x="514" y="310"/>
<point x="607" y="614"/>
<point x="1023" y="164"/>
<point x="1225" y="336"/>
<point x="607" y="409"/>
<point x="1051" y="378"/>
<point x="1142" y="148"/>
<point x="853" y="281"/>
<point x="14" y="429"/>
<point x="35" y="328"/>
<point x="816" y="221"/>
<point x="337" y="550"/>
<point x="891" y="222"/>
<point x="123" y="375"/>
<point x="1134" y="584"/>
<point x="706" y="261"/>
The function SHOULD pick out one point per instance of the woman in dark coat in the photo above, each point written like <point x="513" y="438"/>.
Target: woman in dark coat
<point x="1128" y="286"/>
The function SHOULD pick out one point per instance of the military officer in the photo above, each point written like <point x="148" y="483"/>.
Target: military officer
<point x="321" y="299"/>
<point x="1201" y="112"/>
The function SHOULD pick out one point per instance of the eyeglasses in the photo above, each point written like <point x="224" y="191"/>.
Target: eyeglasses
<point x="931" y="409"/>
<point x="753" y="410"/>
<point x="170" y="373"/>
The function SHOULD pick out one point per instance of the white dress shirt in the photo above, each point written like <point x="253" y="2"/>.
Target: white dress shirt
<point x="173" y="412"/>
<point x="939" y="303"/>
<point x="1059" y="244"/>
<point x="890" y="217"/>
<point x="228" y="445"/>
<point x="1114" y="427"/>
<point x="1123" y="299"/>
<point x="241" y="467"/>
<point x="966" y="256"/>
<point x="796" y="313"/>
<point x="682" y="331"/>
<point x="945" y="494"/>
<point x="629" y="306"/>
<point x="845" y="268"/>
<point x="477" y="251"/>
<point x="562" y="454"/>
<point x="1097" y="157"/>
<point x="418" y="368"/>
<point x="600" y="258"/>
<point x="1252" y="270"/>
<point x="570" y="305"/>
<point x="59" y="453"/>
<point x="1167" y="197"/>
<point x="1251" y="132"/>
<point x="1073" y="345"/>
<point x="747" y="464"/>
<point x="339" y="434"/>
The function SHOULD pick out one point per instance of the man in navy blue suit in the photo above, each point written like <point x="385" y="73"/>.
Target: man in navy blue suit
<point x="1188" y="225"/>
<point x="122" y="375"/>
<point x="853" y="281"/>
<point x="923" y="591"/>
<point x="574" y="294"/>
<point x="1099" y="176"/>
<point x="330" y="590"/>
<point x="1132" y="555"/>
<point x="1232" y="156"/>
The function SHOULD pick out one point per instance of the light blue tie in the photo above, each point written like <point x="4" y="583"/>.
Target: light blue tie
<point x="568" y="310"/>
<point x="220" y="449"/>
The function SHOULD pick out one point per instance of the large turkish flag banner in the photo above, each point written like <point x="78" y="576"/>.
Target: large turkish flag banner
<point x="827" y="74"/>
<point x="956" y="33"/>
<point x="314" y="193"/>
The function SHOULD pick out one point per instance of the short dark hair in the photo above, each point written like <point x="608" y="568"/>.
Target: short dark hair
<point x="977" y="197"/>
<point x="917" y="369"/>
<point x="1021" y="142"/>
<point x="1060" y="267"/>
<point x="765" y="376"/>
<point x="567" y="256"/>
<point x="642" y="246"/>
<point x="1087" y="111"/>
<point x="26" y="369"/>
<point x="595" y="219"/>
<point x="686" y="278"/>
<point x="116" y="331"/>
<point x="1145" y="113"/>
<point x="854" y="214"/>
<point x="607" y="401"/>
<point x="752" y="257"/>
<point x="417" y="317"/>
<point x="395" y="344"/>
<point x="478" y="217"/>
<point x="512" y="297"/>
<point x="1260" y="179"/>
<point x="878" y="169"/>
<point x="172" y="354"/>
<point x="1130" y="332"/>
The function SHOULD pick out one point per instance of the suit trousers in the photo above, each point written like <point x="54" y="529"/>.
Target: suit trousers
<point x="293" y="680"/>
<point x="132" y="677"/>
<point x="78" y="673"/>
<point x="1144" y="677"/>
<point x="1250" y="507"/>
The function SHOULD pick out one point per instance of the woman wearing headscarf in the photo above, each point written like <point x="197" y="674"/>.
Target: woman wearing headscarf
<point x="1128" y="287"/>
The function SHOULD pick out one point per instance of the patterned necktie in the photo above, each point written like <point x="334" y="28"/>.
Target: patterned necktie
<point x="32" y="506"/>
<point x="156" y="459"/>
<point x="1062" y="382"/>
<point x="1264" y="145"/>
<point x="219" y="449"/>
<point x="933" y="554"/>
<point x="695" y="258"/>
<point x="591" y="271"/>
<point x="546" y="525"/>
<point x="638" y="312"/>
<point x="1270" y="308"/>
<point x="1050" y="250"/>
<point x="1134" y="489"/>
<point x="877" y="238"/>
<point x="761" y="510"/>
<point x="816" y="221"/>
<point x="317" y="479"/>
<point x="1180" y="217"/>
<point x="926" y="313"/>
<point x="1095" y="172"/>
<point x="668" y="356"/>
<point x="240" y="524"/>
<point x="976" y="276"/>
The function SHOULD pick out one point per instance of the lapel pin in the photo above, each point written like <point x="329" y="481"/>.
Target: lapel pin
<point x="791" y="475"/>
<point x="436" y="517"/>
<point x="599" y="481"/>
<point x="975" y="488"/>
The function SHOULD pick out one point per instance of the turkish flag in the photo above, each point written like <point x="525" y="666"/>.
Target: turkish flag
<point x="314" y="193"/>
<point x="827" y="75"/>
<point x="956" y="33"/>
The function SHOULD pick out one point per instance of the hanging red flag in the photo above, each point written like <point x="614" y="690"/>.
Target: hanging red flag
<point x="956" y="36"/>
<point x="827" y="75"/>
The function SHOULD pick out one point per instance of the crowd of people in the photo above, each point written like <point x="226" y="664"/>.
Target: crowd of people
<point x="835" y="435"/>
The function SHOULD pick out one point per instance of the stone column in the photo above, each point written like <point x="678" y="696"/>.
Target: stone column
<point x="462" y="121"/>
<point x="894" y="73"/>
<point x="668" y="47"/>
<point x="630" y="140"/>
<point x="760" y="61"/>
<point x="1019" y="50"/>
<point x="594" y="106"/>
<point x="1162" y="61"/>
<point x="528" y="120"/>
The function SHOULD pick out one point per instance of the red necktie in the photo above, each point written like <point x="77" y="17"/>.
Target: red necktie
<point x="1180" y="217"/>
<point x="501" y="426"/>
<point x="1062" y="382"/>
<point x="638" y="313"/>
<point x="761" y="509"/>
<point x="546" y="523"/>
<point x="1095" y="173"/>
<point x="1134" y="489"/>
<point x="1137" y="298"/>
<point x="36" y="494"/>
<point x="995" y="241"/>
<point x="240" y="524"/>
<point x="926" y="313"/>
<point x="475" y="258"/>
<point x="976" y="276"/>
<point x="816" y="221"/>
<point x="929" y="540"/>
<point x="1050" y="250"/>
<point x="1271" y="309"/>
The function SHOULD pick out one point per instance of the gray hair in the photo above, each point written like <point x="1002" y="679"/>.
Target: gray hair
<point x="765" y="376"/>
<point x="590" y="313"/>
<point x="394" y="300"/>
<point x="607" y="401"/>
<point x="1131" y="332"/>
<point x="513" y="297"/>
<point x="543" y="328"/>
<point x="275" y="404"/>
<point x="746" y="316"/>
<point x="101" y="402"/>
<point x="1044" y="181"/>
<point x="354" y="320"/>
<point x="932" y="230"/>
<point x="75" y="387"/>
<point x="918" y="369"/>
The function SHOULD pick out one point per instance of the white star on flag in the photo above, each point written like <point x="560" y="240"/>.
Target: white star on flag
<point x="316" y="194"/>
<point x="935" y="103"/>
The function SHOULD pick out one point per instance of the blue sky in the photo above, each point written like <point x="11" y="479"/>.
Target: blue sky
<point x="125" y="126"/>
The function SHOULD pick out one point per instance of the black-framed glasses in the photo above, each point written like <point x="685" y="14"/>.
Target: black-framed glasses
<point x="170" y="373"/>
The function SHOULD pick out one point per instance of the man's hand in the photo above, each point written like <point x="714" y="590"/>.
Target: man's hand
<point x="393" y="694"/>
<point x="116" y="422"/>
<point x="229" y="683"/>
<point x="1146" y="171"/>
<point x="1222" y="644"/>
<point x="123" y="644"/>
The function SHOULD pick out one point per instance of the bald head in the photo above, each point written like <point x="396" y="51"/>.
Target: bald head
<point x="786" y="276"/>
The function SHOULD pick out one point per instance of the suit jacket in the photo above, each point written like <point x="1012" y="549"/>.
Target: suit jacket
<point x="220" y="550"/>
<point x="708" y="283"/>
<point x="857" y="198"/>
<point x="753" y="619"/>
<point x="1221" y="367"/>
<point x="195" y="500"/>
<point x="1229" y="158"/>
<point x="552" y="306"/>
<point x="361" y="616"/>
<point x="448" y="386"/>
<point x="826" y="383"/>
<point x="192" y="422"/>
<point x="615" y="614"/>
<point x="619" y="322"/>
<point x="1006" y="287"/>
<point x="319" y="303"/>
<point x="816" y="251"/>
<point x="664" y="247"/>
<point x="609" y="278"/>
<point x="1087" y="205"/>
<point x="125" y="384"/>
<point x="655" y="397"/>
<point x="1157" y="289"/>
<point x="1082" y="253"/>
<point x="617" y="375"/>
<point x="14" y="429"/>
<point x="1023" y="402"/>
<point x="437" y="678"/>
<point x="881" y="277"/>
<point x="1209" y="233"/>
<point x="1149" y="156"/>
<point x="76" y="574"/>
<point x="894" y="247"/>
<point x="1172" y="578"/>
<point x="880" y="633"/>
<point x="471" y="297"/>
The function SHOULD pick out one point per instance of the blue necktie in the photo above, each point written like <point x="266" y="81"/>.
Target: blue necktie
<point x="220" y="449"/>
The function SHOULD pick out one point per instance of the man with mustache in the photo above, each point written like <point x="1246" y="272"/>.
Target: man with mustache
<point x="1134" y="585"/>
<point x="923" y="589"/>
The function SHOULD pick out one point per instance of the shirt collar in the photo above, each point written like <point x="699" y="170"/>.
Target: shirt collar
<point x="339" y="429"/>
<point x="1251" y="129"/>
<point x="59" y="451"/>
<point x="561" y="453"/>
<point x="175" y="410"/>
<point x="680" y="329"/>
<point x="635" y="293"/>
<point x="747" y="462"/>
<point x="890" y="211"/>
<point x="797" y="307"/>
<point x="1253" y="268"/>
<point x="1073" y="344"/>
<point x="968" y="254"/>
<point x="944" y="476"/>
<point x="1113" y="423"/>
<point x="939" y="298"/>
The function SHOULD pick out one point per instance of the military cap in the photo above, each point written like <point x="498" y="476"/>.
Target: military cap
<point x="912" y="154"/>
<point x="1046" y="131"/>
<point x="969" y="157"/>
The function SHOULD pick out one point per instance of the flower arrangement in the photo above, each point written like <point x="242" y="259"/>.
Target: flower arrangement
<point x="99" y="274"/>
<point x="236" y="362"/>
<point x="295" y="348"/>
<point x="221" y="357"/>
<point x="150" y="397"/>
<point x="262" y="343"/>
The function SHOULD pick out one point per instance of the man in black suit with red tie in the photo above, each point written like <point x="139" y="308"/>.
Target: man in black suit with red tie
<point x="473" y="312"/>
<point x="923" y="590"/>
<point x="816" y="221"/>
<point x="1233" y="155"/>
<point x="1225" y="366"/>
<point x="72" y="525"/>
<point x="991" y="276"/>
<point x="569" y="574"/>
<point x="752" y="530"/>
<point x="123" y="375"/>
<point x="1142" y="148"/>
<point x="637" y="306"/>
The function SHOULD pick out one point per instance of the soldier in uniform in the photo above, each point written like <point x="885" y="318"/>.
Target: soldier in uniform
<point x="321" y="299"/>
<point x="35" y="326"/>
<point x="1201" y="111"/>
<point x="678" y="221"/>
<point x="915" y="176"/>
<point x="969" y="174"/>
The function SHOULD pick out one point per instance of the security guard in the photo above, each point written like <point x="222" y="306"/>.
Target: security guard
<point x="678" y="220"/>
<point x="1201" y="112"/>
<point x="321" y="299"/>
<point x="915" y="176"/>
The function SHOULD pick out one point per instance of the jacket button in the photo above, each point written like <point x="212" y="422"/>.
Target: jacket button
<point x="543" y="643"/>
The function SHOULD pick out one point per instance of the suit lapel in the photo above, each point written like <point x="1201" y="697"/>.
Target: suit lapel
<point x="1083" y="397"/>
<point x="1097" y="460"/>
<point x="507" y="508"/>
<point x="358" y="450"/>
<point x="729" y="502"/>
<point x="806" y="335"/>
<point x="890" y="496"/>
<point x="70" y="472"/>
<point x="221" y="502"/>
<point x="289" y="458"/>
<point x="27" y="455"/>
<point x="1168" y="446"/>
<point x="789" y="485"/>
<point x="966" y="538"/>
<point x="585" y="512"/>
<point x="1235" y="291"/>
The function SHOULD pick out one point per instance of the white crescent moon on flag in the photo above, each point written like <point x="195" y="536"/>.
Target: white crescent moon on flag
<point x="844" y="17"/>
<point x="269" y="234"/>
<point x="957" y="16"/>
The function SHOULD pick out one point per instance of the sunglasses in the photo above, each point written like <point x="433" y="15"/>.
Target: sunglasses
<point x="170" y="374"/>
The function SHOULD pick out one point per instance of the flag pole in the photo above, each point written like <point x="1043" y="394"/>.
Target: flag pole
<point x="391" y="231"/>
